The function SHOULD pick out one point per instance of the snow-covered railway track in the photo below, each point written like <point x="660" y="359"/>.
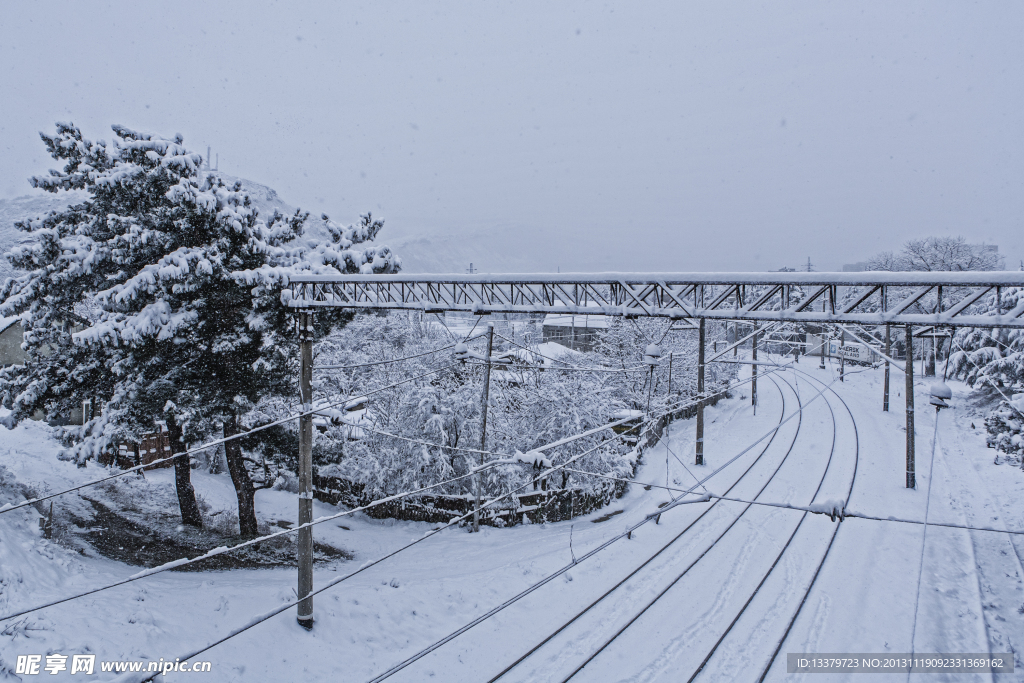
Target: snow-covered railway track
<point x="679" y="645"/>
<point x="554" y="642"/>
<point x="810" y="586"/>
<point x="741" y="477"/>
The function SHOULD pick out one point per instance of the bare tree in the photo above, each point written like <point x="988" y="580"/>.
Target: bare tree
<point x="938" y="254"/>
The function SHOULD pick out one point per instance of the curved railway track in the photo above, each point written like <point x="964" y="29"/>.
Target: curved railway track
<point x="753" y="594"/>
<point x="781" y="420"/>
<point x="831" y="542"/>
<point x="659" y="552"/>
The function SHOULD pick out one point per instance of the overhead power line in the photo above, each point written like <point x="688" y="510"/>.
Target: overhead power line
<point x="330" y="584"/>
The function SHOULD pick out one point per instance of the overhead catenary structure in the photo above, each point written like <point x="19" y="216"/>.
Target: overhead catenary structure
<point x="882" y="297"/>
<point x="865" y="298"/>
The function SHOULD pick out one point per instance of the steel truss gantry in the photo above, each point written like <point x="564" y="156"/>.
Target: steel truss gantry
<point x="873" y="298"/>
<point x="869" y="298"/>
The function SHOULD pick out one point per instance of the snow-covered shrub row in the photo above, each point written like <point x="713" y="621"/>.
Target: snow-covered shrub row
<point x="529" y="407"/>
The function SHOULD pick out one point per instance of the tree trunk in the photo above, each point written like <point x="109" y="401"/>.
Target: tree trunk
<point x="244" y="489"/>
<point x="183" y="477"/>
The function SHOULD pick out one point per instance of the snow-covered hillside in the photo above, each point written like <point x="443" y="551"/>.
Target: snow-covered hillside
<point x="506" y="249"/>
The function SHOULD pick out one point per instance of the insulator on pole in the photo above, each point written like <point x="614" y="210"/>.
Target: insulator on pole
<point x="941" y="394"/>
<point x="652" y="354"/>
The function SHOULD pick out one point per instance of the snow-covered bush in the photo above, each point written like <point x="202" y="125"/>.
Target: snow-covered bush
<point x="1004" y="427"/>
<point x="439" y="413"/>
<point x="992" y="356"/>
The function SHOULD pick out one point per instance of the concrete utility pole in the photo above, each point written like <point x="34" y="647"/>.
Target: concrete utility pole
<point x="305" y="541"/>
<point x="888" y="352"/>
<point x="483" y="423"/>
<point x="700" y="394"/>
<point x="911" y="479"/>
<point x="753" y="370"/>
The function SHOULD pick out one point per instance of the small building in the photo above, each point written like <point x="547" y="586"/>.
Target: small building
<point x="11" y="352"/>
<point x="578" y="332"/>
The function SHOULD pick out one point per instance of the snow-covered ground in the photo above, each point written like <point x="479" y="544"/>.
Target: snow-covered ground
<point x="864" y="598"/>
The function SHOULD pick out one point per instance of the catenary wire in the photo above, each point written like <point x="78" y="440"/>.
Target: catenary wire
<point x="330" y="584"/>
<point x="222" y="550"/>
<point x="549" y="578"/>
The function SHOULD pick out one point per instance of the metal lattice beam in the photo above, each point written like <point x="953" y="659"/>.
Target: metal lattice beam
<point x="869" y="298"/>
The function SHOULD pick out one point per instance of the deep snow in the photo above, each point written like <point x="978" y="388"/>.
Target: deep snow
<point x="864" y="599"/>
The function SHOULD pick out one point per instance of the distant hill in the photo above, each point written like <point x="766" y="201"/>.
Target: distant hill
<point x="28" y="206"/>
<point x="498" y="249"/>
<point x="41" y="203"/>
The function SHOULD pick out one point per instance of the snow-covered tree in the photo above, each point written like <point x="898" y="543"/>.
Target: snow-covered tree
<point x="937" y="254"/>
<point x="184" y="279"/>
<point x="994" y="357"/>
<point x="528" y="408"/>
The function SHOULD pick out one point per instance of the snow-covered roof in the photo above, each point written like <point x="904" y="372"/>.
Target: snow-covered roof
<point x="598" y="321"/>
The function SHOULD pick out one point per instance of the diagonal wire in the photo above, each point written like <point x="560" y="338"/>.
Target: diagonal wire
<point x="330" y="584"/>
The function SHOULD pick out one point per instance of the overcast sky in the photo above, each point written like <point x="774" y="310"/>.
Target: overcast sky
<point x="630" y="136"/>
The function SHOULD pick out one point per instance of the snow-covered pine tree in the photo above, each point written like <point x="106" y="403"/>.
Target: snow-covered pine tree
<point x="185" y="278"/>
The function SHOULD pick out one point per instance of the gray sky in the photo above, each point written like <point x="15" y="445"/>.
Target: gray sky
<point x="629" y="136"/>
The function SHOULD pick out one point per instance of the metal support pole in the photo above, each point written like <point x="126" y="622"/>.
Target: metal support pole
<point x="700" y="394"/>
<point x="822" y="337"/>
<point x="842" y="356"/>
<point x="911" y="479"/>
<point x="486" y="398"/>
<point x="888" y="352"/>
<point x="668" y="418"/>
<point x="753" y="370"/>
<point x="305" y="540"/>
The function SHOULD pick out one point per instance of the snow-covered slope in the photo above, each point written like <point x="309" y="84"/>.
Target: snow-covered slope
<point x="40" y="203"/>
<point x="28" y="206"/>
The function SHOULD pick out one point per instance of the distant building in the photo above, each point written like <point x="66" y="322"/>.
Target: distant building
<point x="578" y="332"/>
<point x="11" y="353"/>
<point x="857" y="267"/>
